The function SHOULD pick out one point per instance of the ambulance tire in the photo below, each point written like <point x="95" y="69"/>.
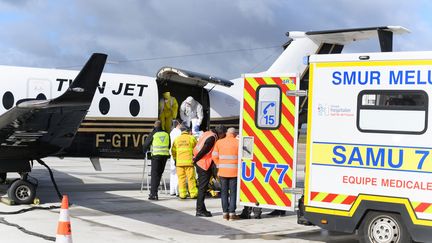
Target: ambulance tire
<point x="379" y="227"/>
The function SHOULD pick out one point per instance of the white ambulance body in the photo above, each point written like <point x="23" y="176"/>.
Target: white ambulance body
<point x="369" y="143"/>
<point x="269" y="116"/>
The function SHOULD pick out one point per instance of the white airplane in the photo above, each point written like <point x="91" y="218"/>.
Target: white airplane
<point x="42" y="109"/>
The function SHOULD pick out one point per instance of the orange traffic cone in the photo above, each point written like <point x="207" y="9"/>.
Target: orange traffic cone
<point x="64" y="230"/>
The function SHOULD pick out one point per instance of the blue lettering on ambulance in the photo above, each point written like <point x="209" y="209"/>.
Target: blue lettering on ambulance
<point x="375" y="76"/>
<point x="396" y="79"/>
<point x="423" y="158"/>
<point x="272" y="170"/>
<point x="419" y="81"/>
<point x="349" y="78"/>
<point x="355" y="156"/>
<point x="356" y="77"/>
<point x="373" y="158"/>
<point x="251" y="174"/>
<point x="390" y="158"/>
<point x="370" y="157"/>
<point x="336" y="78"/>
<point x="410" y="77"/>
<point x="339" y="154"/>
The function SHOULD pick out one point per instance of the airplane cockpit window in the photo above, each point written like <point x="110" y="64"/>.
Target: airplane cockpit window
<point x="8" y="100"/>
<point x="41" y="97"/>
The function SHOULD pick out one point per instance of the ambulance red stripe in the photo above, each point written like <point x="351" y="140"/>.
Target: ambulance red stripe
<point x="285" y="111"/>
<point x="330" y="197"/>
<point x="349" y="200"/>
<point x="274" y="141"/>
<point x="268" y="134"/>
<point x="422" y="207"/>
<point x="247" y="193"/>
<point x="313" y="195"/>
<point x="263" y="171"/>
<point x="263" y="148"/>
<point x="249" y="89"/>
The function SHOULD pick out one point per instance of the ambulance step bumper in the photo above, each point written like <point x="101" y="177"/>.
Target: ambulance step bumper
<point x="296" y="191"/>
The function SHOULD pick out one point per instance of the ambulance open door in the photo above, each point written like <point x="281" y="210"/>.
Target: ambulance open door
<point x="268" y="141"/>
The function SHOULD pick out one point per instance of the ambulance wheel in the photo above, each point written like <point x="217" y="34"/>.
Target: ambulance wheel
<point x="378" y="227"/>
<point x="22" y="192"/>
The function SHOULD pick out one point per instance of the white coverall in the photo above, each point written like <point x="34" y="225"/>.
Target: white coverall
<point x="191" y="109"/>
<point x="173" y="172"/>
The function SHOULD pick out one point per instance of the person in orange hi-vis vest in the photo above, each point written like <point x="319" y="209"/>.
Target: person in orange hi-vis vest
<point x="203" y="164"/>
<point x="225" y="155"/>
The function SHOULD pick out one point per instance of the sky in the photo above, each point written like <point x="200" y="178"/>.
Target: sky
<point x="224" y="38"/>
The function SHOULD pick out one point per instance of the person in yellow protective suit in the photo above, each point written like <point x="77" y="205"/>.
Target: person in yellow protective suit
<point x="168" y="108"/>
<point x="182" y="152"/>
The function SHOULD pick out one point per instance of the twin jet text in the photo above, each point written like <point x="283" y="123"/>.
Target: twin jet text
<point x="127" y="89"/>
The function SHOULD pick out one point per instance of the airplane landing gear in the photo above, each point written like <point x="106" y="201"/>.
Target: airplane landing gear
<point x="3" y="177"/>
<point x="21" y="191"/>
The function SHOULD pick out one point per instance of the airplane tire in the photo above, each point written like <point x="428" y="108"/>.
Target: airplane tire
<point x="22" y="192"/>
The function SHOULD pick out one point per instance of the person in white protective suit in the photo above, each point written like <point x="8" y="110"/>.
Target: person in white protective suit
<point x="191" y="112"/>
<point x="175" y="132"/>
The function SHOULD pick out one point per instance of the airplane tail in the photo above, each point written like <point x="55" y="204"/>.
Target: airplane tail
<point x="83" y="88"/>
<point x="294" y="59"/>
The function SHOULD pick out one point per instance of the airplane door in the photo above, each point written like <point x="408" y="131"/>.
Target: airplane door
<point x="39" y="88"/>
<point x="268" y="142"/>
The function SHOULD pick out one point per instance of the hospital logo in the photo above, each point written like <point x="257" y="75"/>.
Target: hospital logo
<point x="323" y="110"/>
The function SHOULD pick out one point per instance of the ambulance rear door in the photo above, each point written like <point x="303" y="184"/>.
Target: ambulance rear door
<point x="268" y="141"/>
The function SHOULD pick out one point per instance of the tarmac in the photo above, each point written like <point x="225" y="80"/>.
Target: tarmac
<point x="109" y="206"/>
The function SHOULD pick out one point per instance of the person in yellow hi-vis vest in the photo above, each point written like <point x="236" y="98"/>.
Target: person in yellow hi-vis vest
<point x="160" y="142"/>
<point x="182" y="152"/>
<point x="168" y="108"/>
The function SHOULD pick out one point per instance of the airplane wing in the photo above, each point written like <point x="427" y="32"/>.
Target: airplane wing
<point x="189" y="77"/>
<point x="39" y="128"/>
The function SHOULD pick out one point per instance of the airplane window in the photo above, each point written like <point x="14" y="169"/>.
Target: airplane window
<point x="134" y="107"/>
<point x="41" y="97"/>
<point x="8" y="100"/>
<point x="104" y="106"/>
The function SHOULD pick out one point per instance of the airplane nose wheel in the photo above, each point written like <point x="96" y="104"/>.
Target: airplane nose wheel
<point x="22" y="192"/>
<point x="3" y="177"/>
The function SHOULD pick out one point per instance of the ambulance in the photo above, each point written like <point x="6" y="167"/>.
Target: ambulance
<point x="368" y="162"/>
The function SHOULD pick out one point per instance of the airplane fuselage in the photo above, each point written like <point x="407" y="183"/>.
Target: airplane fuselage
<point x="122" y="113"/>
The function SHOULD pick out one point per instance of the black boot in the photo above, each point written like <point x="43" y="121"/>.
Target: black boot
<point x="246" y="213"/>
